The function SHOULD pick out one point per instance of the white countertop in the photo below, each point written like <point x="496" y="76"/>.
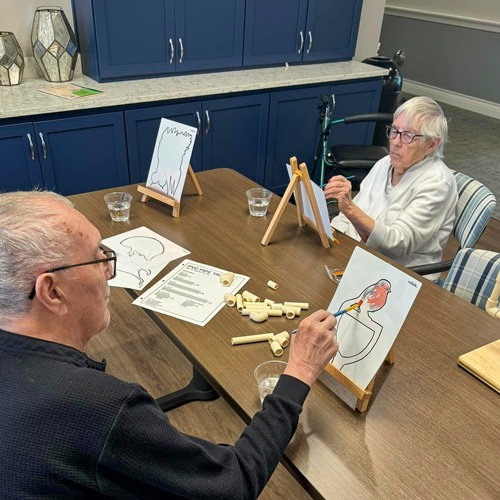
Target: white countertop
<point x="26" y="99"/>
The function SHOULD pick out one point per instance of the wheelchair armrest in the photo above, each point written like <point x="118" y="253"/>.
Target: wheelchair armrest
<point x="370" y="117"/>
<point x="432" y="268"/>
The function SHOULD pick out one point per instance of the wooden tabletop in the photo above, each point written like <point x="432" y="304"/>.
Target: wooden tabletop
<point x="431" y="429"/>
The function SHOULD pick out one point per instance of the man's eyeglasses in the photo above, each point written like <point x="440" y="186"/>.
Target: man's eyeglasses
<point x="406" y="137"/>
<point x="109" y="259"/>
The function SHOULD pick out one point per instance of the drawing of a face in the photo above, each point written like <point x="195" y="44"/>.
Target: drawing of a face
<point x="173" y="147"/>
<point x="143" y="246"/>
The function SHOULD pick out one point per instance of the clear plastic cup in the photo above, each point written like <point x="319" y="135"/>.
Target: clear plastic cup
<point x="258" y="201"/>
<point x="118" y="205"/>
<point x="267" y="375"/>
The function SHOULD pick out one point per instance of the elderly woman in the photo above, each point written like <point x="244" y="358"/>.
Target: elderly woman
<point x="406" y="205"/>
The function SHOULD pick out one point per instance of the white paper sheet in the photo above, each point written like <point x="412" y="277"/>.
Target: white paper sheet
<point x="191" y="292"/>
<point x="171" y="157"/>
<point x="320" y="201"/>
<point x="141" y="255"/>
<point x="366" y="334"/>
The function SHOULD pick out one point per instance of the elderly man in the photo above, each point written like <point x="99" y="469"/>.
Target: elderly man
<point x="406" y="205"/>
<point x="68" y="430"/>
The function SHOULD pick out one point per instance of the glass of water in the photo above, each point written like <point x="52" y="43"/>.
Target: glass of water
<point x="118" y="205"/>
<point x="267" y="375"/>
<point x="258" y="201"/>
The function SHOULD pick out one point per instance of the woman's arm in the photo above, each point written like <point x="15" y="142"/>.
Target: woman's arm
<point x="340" y="188"/>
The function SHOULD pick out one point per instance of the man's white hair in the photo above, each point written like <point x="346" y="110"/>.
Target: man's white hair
<point x="30" y="243"/>
<point x="431" y="117"/>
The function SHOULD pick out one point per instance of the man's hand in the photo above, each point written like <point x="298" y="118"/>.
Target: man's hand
<point x="312" y="347"/>
<point x="339" y="188"/>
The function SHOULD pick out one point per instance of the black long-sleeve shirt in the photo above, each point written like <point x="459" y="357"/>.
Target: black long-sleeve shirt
<point x="69" y="430"/>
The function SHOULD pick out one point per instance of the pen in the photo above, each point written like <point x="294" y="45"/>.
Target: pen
<point x="338" y="313"/>
<point x="347" y="179"/>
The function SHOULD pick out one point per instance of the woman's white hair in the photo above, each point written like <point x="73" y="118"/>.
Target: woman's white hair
<point x="30" y="243"/>
<point x="429" y="113"/>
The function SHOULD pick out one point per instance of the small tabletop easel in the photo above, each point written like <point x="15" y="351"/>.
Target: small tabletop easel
<point x="362" y="395"/>
<point x="299" y="175"/>
<point x="147" y="192"/>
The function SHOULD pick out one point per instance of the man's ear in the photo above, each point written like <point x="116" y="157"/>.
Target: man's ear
<point x="432" y="145"/>
<point x="50" y="294"/>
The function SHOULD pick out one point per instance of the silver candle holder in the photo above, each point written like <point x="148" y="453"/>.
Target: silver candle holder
<point x="11" y="59"/>
<point x="54" y="44"/>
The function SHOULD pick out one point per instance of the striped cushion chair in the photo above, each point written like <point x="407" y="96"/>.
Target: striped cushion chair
<point x="473" y="276"/>
<point x="475" y="206"/>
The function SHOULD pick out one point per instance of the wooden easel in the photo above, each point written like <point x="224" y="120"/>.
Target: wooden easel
<point x="146" y="192"/>
<point x="363" y="395"/>
<point x="299" y="175"/>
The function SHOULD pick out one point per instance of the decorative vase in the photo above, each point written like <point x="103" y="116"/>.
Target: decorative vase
<point x="11" y="59"/>
<point x="54" y="44"/>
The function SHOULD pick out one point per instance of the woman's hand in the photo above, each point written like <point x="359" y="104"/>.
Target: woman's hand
<point x="340" y="188"/>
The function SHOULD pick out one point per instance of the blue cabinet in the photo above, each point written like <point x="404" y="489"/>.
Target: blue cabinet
<point x="294" y="126"/>
<point x="274" y="31"/>
<point x="142" y="128"/>
<point x="332" y="29"/>
<point x="131" y="38"/>
<point x="120" y="39"/>
<point x="293" y="131"/>
<point x="352" y="99"/>
<point x="83" y="154"/>
<point x="231" y="133"/>
<point x="279" y="31"/>
<point x="235" y="132"/>
<point x="209" y="34"/>
<point x="19" y="163"/>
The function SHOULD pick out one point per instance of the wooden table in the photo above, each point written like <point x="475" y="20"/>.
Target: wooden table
<point x="431" y="429"/>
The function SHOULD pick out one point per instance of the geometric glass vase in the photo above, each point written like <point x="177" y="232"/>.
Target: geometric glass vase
<point x="11" y="59"/>
<point x="54" y="44"/>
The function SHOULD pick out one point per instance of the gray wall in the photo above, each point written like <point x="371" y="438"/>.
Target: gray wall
<point x="454" y="58"/>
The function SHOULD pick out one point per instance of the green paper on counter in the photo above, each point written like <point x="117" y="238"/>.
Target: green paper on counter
<point x="83" y="92"/>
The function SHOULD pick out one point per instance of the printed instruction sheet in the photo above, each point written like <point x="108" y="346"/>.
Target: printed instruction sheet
<point x="141" y="255"/>
<point x="191" y="292"/>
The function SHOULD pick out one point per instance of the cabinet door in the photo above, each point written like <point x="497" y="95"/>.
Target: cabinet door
<point x="83" y="154"/>
<point x="133" y="38"/>
<point x="293" y="131"/>
<point x="234" y="134"/>
<point x="142" y="129"/>
<point x="274" y="31"/>
<point x="332" y="29"/>
<point x="351" y="99"/>
<point x="19" y="165"/>
<point x="209" y="35"/>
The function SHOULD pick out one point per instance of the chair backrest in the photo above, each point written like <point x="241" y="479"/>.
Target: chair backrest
<point x="473" y="275"/>
<point x="475" y="206"/>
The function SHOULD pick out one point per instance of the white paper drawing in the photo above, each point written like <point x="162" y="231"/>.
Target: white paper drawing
<point x="191" y="292"/>
<point x="171" y="157"/>
<point x="141" y="255"/>
<point x="366" y="334"/>
<point x="319" y="195"/>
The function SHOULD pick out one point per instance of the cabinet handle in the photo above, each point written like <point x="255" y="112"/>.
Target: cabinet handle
<point x="44" y="147"/>
<point x="301" y="42"/>
<point x="199" y="123"/>
<point x="31" y="147"/>
<point x="182" y="50"/>
<point x="171" y="50"/>
<point x="208" y="121"/>
<point x="310" y="43"/>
